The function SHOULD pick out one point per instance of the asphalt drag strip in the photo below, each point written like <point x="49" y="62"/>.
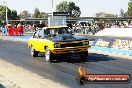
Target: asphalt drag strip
<point x="64" y="71"/>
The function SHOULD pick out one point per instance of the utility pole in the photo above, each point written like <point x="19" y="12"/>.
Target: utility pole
<point x="6" y="13"/>
<point x="52" y="8"/>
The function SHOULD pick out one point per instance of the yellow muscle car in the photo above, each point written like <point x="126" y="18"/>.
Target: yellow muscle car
<point x="56" y="41"/>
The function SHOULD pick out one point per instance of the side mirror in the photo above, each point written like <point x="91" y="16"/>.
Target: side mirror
<point x="33" y="36"/>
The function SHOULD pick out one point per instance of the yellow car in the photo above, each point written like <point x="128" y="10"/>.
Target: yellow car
<point x="57" y="41"/>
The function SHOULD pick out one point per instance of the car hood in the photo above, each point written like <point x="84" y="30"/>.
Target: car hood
<point x="67" y="37"/>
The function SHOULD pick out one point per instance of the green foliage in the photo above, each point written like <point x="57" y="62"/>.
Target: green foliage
<point x="38" y="14"/>
<point x="24" y="14"/>
<point x="62" y="7"/>
<point x="129" y="12"/>
<point x="104" y="14"/>
<point x="43" y="15"/>
<point x="1" y="23"/>
<point x="65" y="6"/>
<point x="12" y="14"/>
<point x="3" y="12"/>
<point x="122" y="13"/>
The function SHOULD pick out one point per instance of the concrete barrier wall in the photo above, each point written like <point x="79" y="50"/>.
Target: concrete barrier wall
<point x="117" y="32"/>
<point x="114" y="43"/>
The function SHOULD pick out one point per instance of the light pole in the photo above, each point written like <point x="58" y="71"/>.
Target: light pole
<point x="6" y="13"/>
<point x="52" y="8"/>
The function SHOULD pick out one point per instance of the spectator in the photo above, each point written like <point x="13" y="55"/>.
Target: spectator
<point x="8" y="26"/>
<point x="9" y="29"/>
<point x="15" y="26"/>
<point x="69" y="25"/>
<point x="41" y="25"/>
<point x="20" y="29"/>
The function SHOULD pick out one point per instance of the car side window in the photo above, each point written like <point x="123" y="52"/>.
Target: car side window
<point x="41" y="34"/>
<point x="46" y="32"/>
<point x="36" y="34"/>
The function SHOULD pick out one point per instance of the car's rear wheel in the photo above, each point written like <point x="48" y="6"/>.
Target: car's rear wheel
<point x="48" y="55"/>
<point x="33" y="52"/>
<point x="84" y="55"/>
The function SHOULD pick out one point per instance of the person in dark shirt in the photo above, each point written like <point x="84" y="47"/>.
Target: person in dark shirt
<point x="41" y="25"/>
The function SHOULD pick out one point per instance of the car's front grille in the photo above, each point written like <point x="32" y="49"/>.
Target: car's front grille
<point x="71" y="44"/>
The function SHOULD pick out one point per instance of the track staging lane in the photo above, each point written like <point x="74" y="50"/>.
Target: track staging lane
<point x="65" y="71"/>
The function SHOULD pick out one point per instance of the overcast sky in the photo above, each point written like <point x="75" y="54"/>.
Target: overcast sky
<point x="88" y="7"/>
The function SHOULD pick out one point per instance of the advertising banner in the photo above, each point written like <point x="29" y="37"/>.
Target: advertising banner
<point x="103" y="42"/>
<point x="113" y="43"/>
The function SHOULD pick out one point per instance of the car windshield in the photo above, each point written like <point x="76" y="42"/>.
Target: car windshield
<point x="56" y="31"/>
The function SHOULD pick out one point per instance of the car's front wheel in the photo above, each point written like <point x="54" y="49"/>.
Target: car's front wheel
<point x="48" y="55"/>
<point x="84" y="55"/>
<point x="33" y="52"/>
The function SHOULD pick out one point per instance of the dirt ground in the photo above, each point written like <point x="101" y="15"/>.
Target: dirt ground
<point x="12" y="76"/>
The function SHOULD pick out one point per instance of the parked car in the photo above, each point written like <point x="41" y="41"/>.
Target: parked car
<point x="57" y="41"/>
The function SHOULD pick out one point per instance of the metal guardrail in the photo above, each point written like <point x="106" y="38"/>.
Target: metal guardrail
<point x="80" y="19"/>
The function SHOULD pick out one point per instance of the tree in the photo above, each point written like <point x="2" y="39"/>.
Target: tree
<point x="13" y="15"/>
<point x="43" y="15"/>
<point x="65" y="6"/>
<point x="38" y="14"/>
<point x="100" y="14"/>
<point x="104" y="14"/>
<point x="122" y="13"/>
<point x="129" y="12"/>
<point x="24" y="14"/>
<point x="3" y="12"/>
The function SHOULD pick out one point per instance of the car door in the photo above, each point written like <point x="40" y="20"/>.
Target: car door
<point x="35" y="40"/>
<point x="40" y="41"/>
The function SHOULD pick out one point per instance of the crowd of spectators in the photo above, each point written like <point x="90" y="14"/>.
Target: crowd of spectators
<point x="19" y="28"/>
<point x="124" y="24"/>
<point x="81" y="27"/>
<point x="93" y="28"/>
